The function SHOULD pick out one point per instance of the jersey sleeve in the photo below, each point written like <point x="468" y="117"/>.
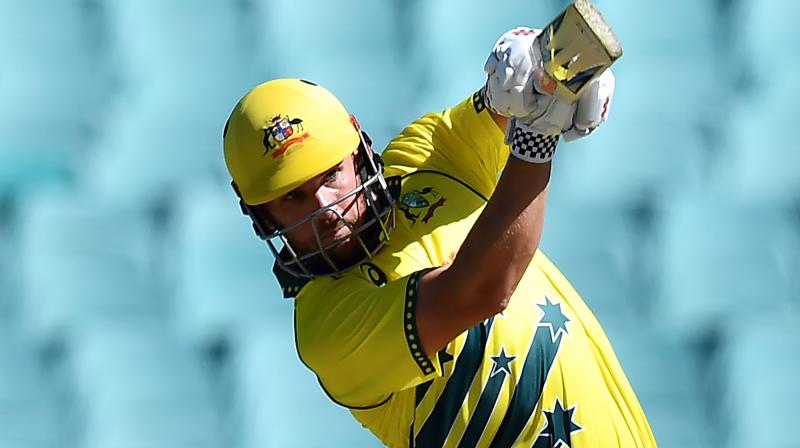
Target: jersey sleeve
<point x="361" y="340"/>
<point x="462" y="141"/>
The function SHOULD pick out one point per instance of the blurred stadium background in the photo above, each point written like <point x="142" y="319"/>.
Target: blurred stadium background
<point x="137" y="310"/>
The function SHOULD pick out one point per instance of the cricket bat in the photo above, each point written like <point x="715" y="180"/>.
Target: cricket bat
<point x="576" y="48"/>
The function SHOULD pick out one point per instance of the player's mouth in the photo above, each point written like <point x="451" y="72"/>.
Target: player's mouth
<point x="338" y="233"/>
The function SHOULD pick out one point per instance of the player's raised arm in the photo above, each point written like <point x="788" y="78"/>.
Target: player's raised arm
<point x="501" y="244"/>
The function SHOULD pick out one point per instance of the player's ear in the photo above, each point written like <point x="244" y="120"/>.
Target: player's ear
<point x="263" y="222"/>
<point x="267" y="217"/>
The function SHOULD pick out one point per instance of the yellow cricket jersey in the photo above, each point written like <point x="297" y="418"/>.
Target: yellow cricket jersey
<point x="540" y="374"/>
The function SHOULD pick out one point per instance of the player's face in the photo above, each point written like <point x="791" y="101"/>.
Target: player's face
<point x="319" y="192"/>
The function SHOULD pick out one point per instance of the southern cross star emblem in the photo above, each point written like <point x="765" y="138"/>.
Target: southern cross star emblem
<point x="501" y="363"/>
<point x="560" y="425"/>
<point x="553" y="317"/>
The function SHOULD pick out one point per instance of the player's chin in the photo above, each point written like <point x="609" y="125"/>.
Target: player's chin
<point x="345" y="250"/>
<point x="341" y="246"/>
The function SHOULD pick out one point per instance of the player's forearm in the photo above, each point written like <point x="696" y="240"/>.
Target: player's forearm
<point x="491" y="261"/>
<point x="502" y="242"/>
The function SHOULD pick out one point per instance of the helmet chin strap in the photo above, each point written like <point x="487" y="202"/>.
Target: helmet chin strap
<point x="365" y="156"/>
<point x="369" y="162"/>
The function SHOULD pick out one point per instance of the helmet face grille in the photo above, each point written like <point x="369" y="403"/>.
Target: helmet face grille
<point x="368" y="237"/>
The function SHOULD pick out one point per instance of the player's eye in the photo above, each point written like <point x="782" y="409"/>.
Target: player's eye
<point x="332" y="175"/>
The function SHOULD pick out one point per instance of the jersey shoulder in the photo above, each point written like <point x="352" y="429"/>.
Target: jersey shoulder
<point x="462" y="141"/>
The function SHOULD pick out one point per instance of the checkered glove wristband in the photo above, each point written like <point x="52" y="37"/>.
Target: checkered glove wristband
<point x="531" y="146"/>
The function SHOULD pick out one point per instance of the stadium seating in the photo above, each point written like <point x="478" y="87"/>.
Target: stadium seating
<point x="631" y="161"/>
<point x="52" y="80"/>
<point x="222" y="270"/>
<point x="138" y="310"/>
<point x="451" y="39"/>
<point x="182" y="72"/>
<point x="766" y="37"/>
<point x="662" y="27"/>
<point x="677" y="41"/>
<point x="7" y="273"/>
<point x="351" y="47"/>
<point x="81" y="259"/>
<point x="168" y="136"/>
<point x="136" y="387"/>
<point x="665" y="377"/>
<point x="595" y="247"/>
<point x="721" y="258"/>
<point x="667" y="110"/>
<point x="280" y="402"/>
<point x="762" y="160"/>
<point x="759" y="367"/>
<point x="28" y="416"/>
<point x="182" y="37"/>
<point x="672" y="85"/>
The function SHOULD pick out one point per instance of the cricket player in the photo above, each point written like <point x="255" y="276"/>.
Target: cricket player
<point x="422" y="302"/>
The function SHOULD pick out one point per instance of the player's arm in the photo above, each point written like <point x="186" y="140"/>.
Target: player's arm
<point x="492" y="260"/>
<point x="497" y="251"/>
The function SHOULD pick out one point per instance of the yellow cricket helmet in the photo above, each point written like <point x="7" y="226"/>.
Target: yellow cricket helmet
<point x="283" y="133"/>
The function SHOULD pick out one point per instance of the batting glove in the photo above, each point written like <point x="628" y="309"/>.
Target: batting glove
<point x="510" y="65"/>
<point x="517" y="87"/>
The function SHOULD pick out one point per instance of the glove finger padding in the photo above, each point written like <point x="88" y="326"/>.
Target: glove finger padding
<point x="509" y="67"/>
<point x="512" y="99"/>
<point x="589" y="108"/>
<point x="592" y="108"/>
<point x="519" y="67"/>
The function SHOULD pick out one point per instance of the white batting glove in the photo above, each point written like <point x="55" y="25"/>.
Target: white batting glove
<point x="573" y="120"/>
<point x="509" y="86"/>
<point x="517" y="87"/>
<point x="592" y="108"/>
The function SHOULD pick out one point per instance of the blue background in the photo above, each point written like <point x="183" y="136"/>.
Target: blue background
<point x="138" y="310"/>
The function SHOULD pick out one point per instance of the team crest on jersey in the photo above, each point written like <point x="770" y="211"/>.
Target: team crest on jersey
<point x="376" y="276"/>
<point x="282" y="133"/>
<point x="421" y="204"/>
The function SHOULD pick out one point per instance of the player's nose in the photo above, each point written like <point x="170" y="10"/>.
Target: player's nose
<point x="323" y="198"/>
